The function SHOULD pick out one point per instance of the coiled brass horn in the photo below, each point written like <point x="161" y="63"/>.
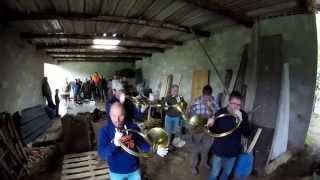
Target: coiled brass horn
<point x="198" y="123"/>
<point x="155" y="137"/>
<point x="138" y="101"/>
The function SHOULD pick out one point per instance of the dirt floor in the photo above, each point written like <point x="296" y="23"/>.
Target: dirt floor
<point x="177" y="166"/>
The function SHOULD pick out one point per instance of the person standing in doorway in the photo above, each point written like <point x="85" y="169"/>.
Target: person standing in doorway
<point x="57" y="101"/>
<point x="46" y="92"/>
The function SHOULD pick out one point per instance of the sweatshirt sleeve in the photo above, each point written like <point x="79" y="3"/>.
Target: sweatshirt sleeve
<point x="245" y="126"/>
<point x="105" y="148"/>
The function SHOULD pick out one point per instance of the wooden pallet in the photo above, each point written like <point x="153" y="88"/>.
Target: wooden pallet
<point x="84" y="166"/>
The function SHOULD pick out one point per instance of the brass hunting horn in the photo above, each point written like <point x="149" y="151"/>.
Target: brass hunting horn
<point x="198" y="123"/>
<point x="155" y="137"/>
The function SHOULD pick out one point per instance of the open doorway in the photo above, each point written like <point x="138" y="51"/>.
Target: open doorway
<point x="314" y="127"/>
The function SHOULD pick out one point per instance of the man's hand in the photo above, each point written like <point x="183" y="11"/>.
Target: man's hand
<point x="117" y="137"/>
<point x="151" y="97"/>
<point x="210" y="122"/>
<point x="162" y="152"/>
<point x="122" y="98"/>
<point x="143" y="108"/>
<point x="238" y="114"/>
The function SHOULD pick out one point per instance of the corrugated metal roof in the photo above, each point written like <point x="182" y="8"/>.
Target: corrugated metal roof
<point x="145" y="20"/>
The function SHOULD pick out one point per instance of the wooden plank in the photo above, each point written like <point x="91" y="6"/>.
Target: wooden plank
<point x="80" y="164"/>
<point x="89" y="48"/>
<point x="148" y="22"/>
<point x="200" y="78"/>
<point x="90" y="153"/>
<point x="107" y="60"/>
<point x="84" y="169"/>
<point x="86" y="174"/>
<point x="98" y="178"/>
<point x="89" y="37"/>
<point x="67" y="26"/>
<point x="77" y="159"/>
<point x="84" y="166"/>
<point x="19" y="145"/>
<point x="79" y="27"/>
<point x="98" y="55"/>
<point x="90" y="27"/>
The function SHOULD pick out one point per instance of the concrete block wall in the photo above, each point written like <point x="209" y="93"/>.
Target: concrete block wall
<point x="299" y="50"/>
<point x="21" y="72"/>
<point x="224" y="48"/>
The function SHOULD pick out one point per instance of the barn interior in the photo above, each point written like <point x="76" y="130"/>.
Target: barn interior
<point x="265" y="49"/>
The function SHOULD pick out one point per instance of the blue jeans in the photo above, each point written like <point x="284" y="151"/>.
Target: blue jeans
<point x="130" y="176"/>
<point x="172" y="125"/>
<point x="219" y="163"/>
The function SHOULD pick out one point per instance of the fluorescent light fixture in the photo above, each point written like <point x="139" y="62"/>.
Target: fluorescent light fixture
<point x="106" y="42"/>
<point x="101" y="46"/>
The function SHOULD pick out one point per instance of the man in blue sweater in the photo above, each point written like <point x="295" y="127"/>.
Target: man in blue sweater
<point x="122" y="165"/>
<point x="226" y="149"/>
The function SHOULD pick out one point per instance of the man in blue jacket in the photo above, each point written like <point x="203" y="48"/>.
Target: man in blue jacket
<point x="122" y="165"/>
<point x="226" y="149"/>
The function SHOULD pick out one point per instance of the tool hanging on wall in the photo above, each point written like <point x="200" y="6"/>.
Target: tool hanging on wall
<point x="226" y="91"/>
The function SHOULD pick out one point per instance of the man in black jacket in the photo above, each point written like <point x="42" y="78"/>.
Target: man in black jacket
<point x="226" y="149"/>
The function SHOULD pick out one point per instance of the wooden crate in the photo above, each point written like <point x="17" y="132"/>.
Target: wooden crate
<point x="84" y="166"/>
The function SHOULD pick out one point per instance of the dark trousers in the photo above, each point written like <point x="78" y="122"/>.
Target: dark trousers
<point x="57" y="109"/>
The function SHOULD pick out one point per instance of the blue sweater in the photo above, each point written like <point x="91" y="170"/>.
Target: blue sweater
<point x="230" y="145"/>
<point x="119" y="160"/>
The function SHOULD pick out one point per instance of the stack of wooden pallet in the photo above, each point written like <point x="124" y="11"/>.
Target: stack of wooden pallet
<point x="84" y="166"/>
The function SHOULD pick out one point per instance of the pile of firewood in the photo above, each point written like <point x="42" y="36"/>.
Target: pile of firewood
<point x="13" y="157"/>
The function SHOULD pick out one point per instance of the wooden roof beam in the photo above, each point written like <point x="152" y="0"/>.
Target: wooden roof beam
<point x="65" y="36"/>
<point x="77" y="55"/>
<point x="101" y="54"/>
<point x="89" y="48"/>
<point x="117" y="60"/>
<point x="109" y="19"/>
